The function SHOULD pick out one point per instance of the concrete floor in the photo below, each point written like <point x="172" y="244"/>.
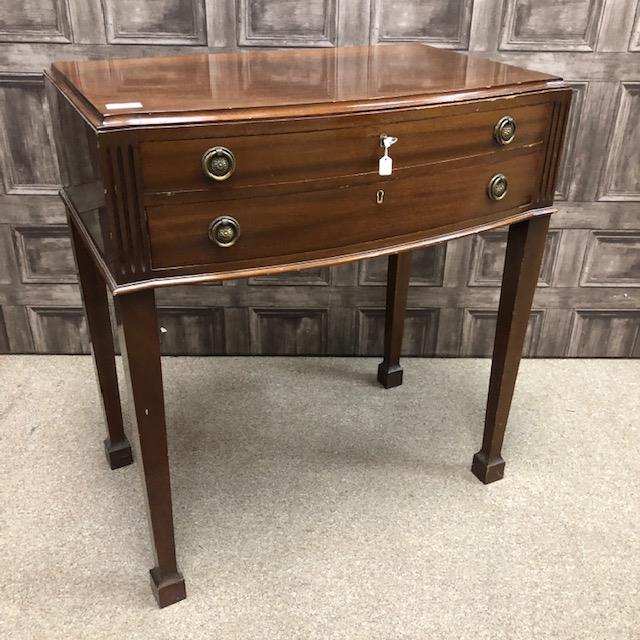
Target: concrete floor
<point x="310" y="503"/>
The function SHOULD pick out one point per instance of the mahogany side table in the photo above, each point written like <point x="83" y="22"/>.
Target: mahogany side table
<point x="187" y="170"/>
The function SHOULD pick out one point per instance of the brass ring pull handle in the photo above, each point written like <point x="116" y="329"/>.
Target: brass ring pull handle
<point x="224" y="231"/>
<point x="505" y="131"/>
<point x="498" y="187"/>
<point x="218" y="163"/>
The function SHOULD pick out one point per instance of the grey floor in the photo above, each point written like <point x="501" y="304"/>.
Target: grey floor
<point x="310" y="503"/>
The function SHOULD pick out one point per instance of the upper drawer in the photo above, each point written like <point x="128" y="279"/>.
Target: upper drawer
<point x="299" y="156"/>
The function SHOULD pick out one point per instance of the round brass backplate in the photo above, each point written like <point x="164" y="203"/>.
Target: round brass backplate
<point x="218" y="163"/>
<point x="505" y="130"/>
<point x="224" y="231"/>
<point x="498" y="187"/>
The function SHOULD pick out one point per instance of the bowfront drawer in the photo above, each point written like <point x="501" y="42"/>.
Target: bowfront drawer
<point x="225" y="166"/>
<point x="329" y="222"/>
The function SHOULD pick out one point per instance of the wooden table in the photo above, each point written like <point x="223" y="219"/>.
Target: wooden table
<point x="187" y="170"/>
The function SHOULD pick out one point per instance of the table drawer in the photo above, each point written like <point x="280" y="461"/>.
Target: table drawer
<point x="273" y="229"/>
<point x="301" y="156"/>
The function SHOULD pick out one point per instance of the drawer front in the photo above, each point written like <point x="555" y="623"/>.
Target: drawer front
<point x="331" y="222"/>
<point x="302" y="156"/>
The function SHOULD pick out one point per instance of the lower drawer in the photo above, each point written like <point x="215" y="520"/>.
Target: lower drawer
<point x="334" y="221"/>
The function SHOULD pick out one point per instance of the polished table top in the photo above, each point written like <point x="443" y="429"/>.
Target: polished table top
<point x="215" y="87"/>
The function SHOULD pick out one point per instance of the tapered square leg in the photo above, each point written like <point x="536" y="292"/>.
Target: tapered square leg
<point x="525" y="247"/>
<point x="96" y="304"/>
<point x="399" y="270"/>
<point x="141" y="348"/>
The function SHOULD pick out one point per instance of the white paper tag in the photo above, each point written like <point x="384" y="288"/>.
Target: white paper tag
<point x="111" y="106"/>
<point x="385" y="166"/>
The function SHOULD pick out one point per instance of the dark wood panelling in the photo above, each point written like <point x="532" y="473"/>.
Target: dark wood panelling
<point x="59" y="329"/>
<point x="549" y="25"/>
<point x="439" y="22"/>
<point x="311" y="277"/>
<point x="567" y="163"/>
<point x="634" y="44"/>
<point x="598" y="333"/>
<point x="590" y="285"/>
<point x="44" y="254"/>
<point x="427" y="268"/>
<point x="286" y="23"/>
<point x="612" y="259"/>
<point x="479" y="327"/>
<point x="288" y="331"/>
<point x="28" y="156"/>
<point x="621" y="180"/>
<point x="194" y="332"/>
<point x="488" y="259"/>
<point x="158" y="22"/>
<point x="420" y="331"/>
<point x="41" y="21"/>
<point x="8" y="266"/>
<point x="4" y="340"/>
